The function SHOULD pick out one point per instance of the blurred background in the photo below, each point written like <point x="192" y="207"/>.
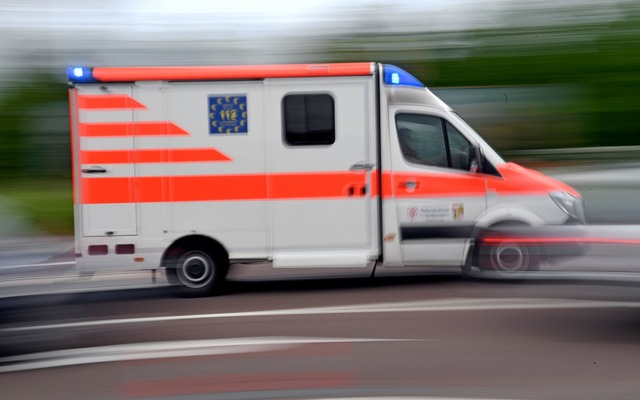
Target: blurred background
<point x="552" y="85"/>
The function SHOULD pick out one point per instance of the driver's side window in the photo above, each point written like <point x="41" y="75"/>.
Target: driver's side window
<point x="422" y="139"/>
<point x="432" y="141"/>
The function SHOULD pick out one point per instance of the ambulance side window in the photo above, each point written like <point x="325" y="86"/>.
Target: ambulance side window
<point x="432" y="141"/>
<point x="308" y="119"/>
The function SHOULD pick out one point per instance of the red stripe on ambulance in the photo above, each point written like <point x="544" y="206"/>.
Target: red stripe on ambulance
<point x="119" y="129"/>
<point x="223" y="187"/>
<point x="151" y="156"/>
<point x="108" y="102"/>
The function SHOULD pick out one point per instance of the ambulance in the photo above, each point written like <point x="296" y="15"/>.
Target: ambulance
<point x="291" y="171"/>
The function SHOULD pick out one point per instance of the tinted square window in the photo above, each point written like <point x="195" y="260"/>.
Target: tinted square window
<point x="309" y="119"/>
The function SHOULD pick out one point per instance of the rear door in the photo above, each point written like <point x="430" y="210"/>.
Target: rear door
<point x="321" y="159"/>
<point x="437" y="198"/>
<point x="107" y="171"/>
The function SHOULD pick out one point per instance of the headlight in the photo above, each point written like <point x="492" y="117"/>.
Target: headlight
<point x="571" y="205"/>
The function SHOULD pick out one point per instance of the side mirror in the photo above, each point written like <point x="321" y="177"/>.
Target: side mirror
<point x="475" y="160"/>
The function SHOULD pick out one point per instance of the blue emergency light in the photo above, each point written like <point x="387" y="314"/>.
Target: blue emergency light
<point x="396" y="76"/>
<point x="80" y="75"/>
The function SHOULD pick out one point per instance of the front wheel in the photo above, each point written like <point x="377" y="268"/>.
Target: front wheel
<point x="194" y="273"/>
<point x="508" y="259"/>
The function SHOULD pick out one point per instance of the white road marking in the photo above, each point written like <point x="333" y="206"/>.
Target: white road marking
<point x="153" y="350"/>
<point x="478" y="304"/>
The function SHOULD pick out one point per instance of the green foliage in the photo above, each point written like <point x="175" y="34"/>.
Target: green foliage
<point x="602" y="59"/>
<point x="607" y="67"/>
<point x="47" y="205"/>
<point x="17" y="123"/>
<point x="34" y="143"/>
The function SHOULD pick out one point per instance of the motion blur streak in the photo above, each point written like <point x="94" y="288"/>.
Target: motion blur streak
<point x="239" y="383"/>
<point x="559" y="240"/>
<point x="147" y="351"/>
<point x="413" y="306"/>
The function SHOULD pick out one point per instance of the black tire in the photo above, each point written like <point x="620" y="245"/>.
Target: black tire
<point x="194" y="272"/>
<point x="508" y="259"/>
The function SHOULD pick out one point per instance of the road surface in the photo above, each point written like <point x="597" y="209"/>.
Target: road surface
<point x="421" y="338"/>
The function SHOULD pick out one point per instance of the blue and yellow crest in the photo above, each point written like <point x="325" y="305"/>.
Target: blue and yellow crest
<point x="228" y="115"/>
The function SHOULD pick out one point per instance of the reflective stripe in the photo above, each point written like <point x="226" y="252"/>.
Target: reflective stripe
<point x="436" y="184"/>
<point x="151" y="156"/>
<point x="517" y="180"/>
<point x="108" y="102"/>
<point x="387" y="189"/>
<point x="97" y="190"/>
<point x="124" y="74"/>
<point x="316" y="185"/>
<point x="110" y="129"/>
<point x="222" y="187"/>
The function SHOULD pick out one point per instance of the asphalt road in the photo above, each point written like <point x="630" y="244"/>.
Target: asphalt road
<point x="420" y="338"/>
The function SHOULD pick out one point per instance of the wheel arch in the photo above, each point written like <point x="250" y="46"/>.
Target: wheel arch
<point x="503" y="215"/>
<point x="200" y="242"/>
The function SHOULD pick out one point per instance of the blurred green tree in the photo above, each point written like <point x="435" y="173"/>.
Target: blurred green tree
<point x="20" y="147"/>
<point x="592" y="47"/>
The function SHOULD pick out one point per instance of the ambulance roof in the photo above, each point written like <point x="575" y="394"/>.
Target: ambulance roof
<point x="392" y="75"/>
<point x="206" y="73"/>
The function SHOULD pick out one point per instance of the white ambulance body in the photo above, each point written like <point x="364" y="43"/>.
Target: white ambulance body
<point x="289" y="171"/>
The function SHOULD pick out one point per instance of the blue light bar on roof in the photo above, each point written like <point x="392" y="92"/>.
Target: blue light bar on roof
<point x="80" y="75"/>
<point x="396" y="76"/>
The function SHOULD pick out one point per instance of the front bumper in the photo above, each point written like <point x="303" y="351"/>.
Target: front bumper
<point x="553" y="243"/>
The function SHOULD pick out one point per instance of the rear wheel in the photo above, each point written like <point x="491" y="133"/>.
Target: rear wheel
<point x="194" y="272"/>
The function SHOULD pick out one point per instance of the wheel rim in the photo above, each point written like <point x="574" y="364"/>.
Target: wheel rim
<point x="510" y="257"/>
<point x="195" y="269"/>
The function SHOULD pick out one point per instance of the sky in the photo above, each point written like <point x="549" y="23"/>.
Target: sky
<point x="73" y="30"/>
<point x="56" y="33"/>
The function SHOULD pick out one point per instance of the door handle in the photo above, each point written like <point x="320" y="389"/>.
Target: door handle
<point x="361" y="166"/>
<point x="94" y="170"/>
<point x="409" y="185"/>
